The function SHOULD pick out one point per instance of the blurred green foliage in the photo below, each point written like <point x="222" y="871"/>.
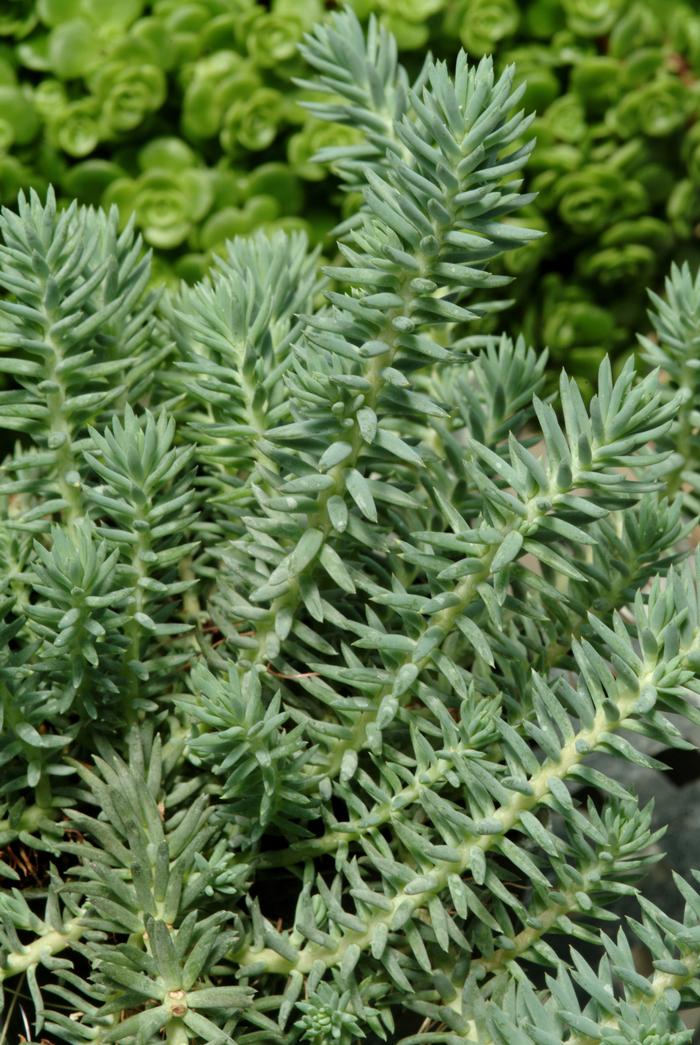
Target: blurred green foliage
<point x="186" y="115"/>
<point x="183" y="114"/>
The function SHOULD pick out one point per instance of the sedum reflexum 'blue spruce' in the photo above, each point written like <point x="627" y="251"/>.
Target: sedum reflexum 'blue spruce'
<point x="316" y="614"/>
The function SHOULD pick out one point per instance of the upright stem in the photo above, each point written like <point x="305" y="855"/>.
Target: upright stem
<point x="319" y="519"/>
<point x="684" y="431"/>
<point x="176" y="1033"/>
<point x="60" y="430"/>
<point x="134" y="630"/>
<point x="61" y="436"/>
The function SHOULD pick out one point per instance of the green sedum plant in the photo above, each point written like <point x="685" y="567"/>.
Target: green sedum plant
<point x="316" y="614"/>
<point x="181" y="114"/>
<point x="613" y="212"/>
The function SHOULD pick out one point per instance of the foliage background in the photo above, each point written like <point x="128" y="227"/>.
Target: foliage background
<point x="186" y="115"/>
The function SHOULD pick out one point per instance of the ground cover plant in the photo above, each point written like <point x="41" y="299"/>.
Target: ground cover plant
<point x="315" y="619"/>
<point x="187" y="116"/>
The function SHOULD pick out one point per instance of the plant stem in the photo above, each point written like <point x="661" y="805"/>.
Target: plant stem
<point x="573" y="752"/>
<point x="176" y="1033"/>
<point x="44" y="946"/>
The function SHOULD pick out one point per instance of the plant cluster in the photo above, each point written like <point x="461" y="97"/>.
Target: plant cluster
<point x="614" y="83"/>
<point x="314" y="617"/>
<point x="188" y="117"/>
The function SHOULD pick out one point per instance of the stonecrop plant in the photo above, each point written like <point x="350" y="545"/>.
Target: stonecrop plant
<point x="316" y="615"/>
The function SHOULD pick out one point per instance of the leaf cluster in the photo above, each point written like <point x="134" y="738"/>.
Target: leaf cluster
<point x="315" y="621"/>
